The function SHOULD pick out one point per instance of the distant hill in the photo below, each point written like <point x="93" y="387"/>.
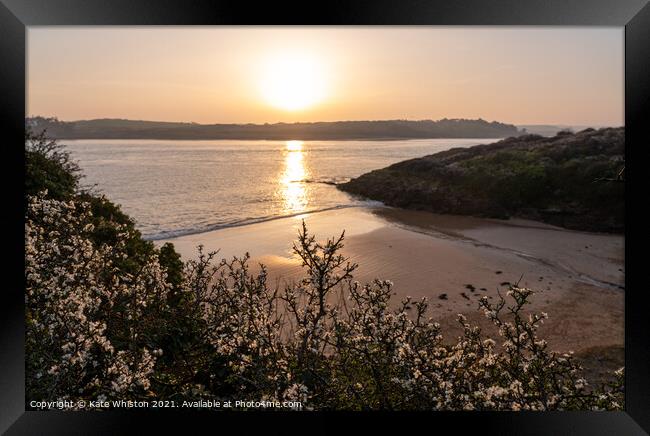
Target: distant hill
<point x="553" y="180"/>
<point x="390" y="129"/>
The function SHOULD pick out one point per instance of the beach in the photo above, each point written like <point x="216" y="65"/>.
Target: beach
<point x="453" y="261"/>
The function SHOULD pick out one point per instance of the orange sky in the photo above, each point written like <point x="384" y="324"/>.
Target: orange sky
<point x="521" y="75"/>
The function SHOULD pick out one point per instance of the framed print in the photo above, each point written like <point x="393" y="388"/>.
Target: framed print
<point x="278" y="217"/>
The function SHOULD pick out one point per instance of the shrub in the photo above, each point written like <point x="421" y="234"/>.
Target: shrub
<point x="84" y="317"/>
<point x="48" y="167"/>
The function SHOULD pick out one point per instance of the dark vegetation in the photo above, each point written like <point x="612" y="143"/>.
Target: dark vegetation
<point x="568" y="180"/>
<point x="389" y="129"/>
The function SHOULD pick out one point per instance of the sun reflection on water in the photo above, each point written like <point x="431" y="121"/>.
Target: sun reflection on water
<point x="293" y="191"/>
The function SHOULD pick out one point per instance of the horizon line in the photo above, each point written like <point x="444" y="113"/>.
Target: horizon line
<point x="318" y="122"/>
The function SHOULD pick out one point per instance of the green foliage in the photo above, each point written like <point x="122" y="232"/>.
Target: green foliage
<point x="171" y="261"/>
<point x="48" y="167"/>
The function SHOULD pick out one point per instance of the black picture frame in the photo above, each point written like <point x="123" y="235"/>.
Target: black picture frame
<point x="17" y="15"/>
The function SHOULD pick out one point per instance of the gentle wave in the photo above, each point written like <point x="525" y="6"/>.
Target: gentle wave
<point x="326" y="180"/>
<point x="250" y="221"/>
<point x="333" y="181"/>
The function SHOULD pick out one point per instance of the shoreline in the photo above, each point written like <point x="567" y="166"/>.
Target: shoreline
<point x="578" y="276"/>
<point x="251" y="222"/>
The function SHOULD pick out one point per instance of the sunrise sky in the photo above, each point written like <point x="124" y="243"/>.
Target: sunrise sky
<point x="520" y="75"/>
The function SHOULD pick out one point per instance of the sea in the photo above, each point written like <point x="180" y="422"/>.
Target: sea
<point x="173" y="187"/>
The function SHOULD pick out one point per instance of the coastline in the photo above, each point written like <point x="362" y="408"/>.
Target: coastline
<point x="578" y="276"/>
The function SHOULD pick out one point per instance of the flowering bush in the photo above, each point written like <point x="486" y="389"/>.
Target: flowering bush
<point x="83" y="317"/>
<point x="327" y="341"/>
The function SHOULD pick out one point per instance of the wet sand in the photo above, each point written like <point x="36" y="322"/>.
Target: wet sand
<point x="578" y="277"/>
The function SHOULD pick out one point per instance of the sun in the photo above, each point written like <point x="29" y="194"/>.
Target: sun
<point x="293" y="81"/>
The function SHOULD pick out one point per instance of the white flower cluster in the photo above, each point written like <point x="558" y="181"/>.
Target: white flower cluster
<point x="74" y="295"/>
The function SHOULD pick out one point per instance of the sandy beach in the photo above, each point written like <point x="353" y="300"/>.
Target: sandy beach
<point x="453" y="261"/>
